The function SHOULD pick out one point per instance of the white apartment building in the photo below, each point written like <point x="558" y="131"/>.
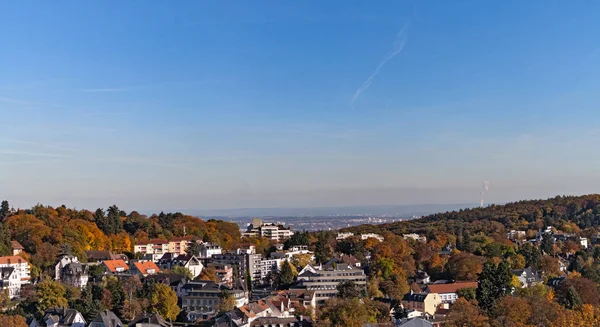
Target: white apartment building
<point x="20" y="274"/>
<point x="209" y="249"/>
<point x="269" y="266"/>
<point x="372" y="235"/>
<point x="343" y="236"/>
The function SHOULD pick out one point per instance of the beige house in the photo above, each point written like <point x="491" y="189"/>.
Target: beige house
<point x="424" y="302"/>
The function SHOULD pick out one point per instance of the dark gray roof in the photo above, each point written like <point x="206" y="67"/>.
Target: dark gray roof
<point x="414" y="297"/>
<point x="5" y="272"/>
<point x="150" y="318"/>
<point x="109" y="319"/>
<point x="60" y="315"/>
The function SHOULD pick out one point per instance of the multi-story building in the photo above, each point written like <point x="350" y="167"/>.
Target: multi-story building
<point x="200" y="295"/>
<point x="343" y="236"/>
<point x="275" y="232"/>
<point x="447" y="292"/>
<point x="372" y="235"/>
<point x="244" y="263"/>
<point x="156" y="247"/>
<point x="19" y="276"/>
<point x="423" y="302"/>
<point x="179" y="245"/>
<point x="269" y="266"/>
<point x="72" y="272"/>
<point x="325" y="279"/>
<point x="224" y="273"/>
<point x="207" y="250"/>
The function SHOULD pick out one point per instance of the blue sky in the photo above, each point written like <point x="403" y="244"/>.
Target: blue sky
<point x="226" y="104"/>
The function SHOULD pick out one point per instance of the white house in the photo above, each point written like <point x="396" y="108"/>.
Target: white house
<point x="20" y="275"/>
<point x="343" y="236"/>
<point x="9" y="281"/>
<point x="56" y="317"/>
<point x="70" y="271"/>
<point x="372" y="235"/>
<point x="193" y="264"/>
<point x="447" y="292"/>
<point x="207" y="250"/>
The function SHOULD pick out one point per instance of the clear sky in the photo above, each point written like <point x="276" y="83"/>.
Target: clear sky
<point x="227" y="104"/>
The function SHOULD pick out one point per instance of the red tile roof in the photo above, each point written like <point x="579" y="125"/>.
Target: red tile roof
<point x="16" y="245"/>
<point x="143" y="267"/>
<point x="112" y="265"/>
<point x="450" y="288"/>
<point x="12" y="259"/>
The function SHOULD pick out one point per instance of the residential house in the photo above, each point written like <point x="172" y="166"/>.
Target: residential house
<point x="424" y="302"/>
<point x="515" y="235"/>
<point x="447" y="292"/>
<point x="16" y="278"/>
<point x="16" y="247"/>
<point x="149" y="320"/>
<point x="347" y="259"/>
<point x="56" y="317"/>
<point x="144" y="268"/>
<point x="10" y="281"/>
<point x="325" y="279"/>
<point x="106" y="318"/>
<point x="422" y="277"/>
<point x="114" y="267"/>
<point x="246" y="264"/>
<point x="528" y="277"/>
<point x="98" y="256"/>
<point x="583" y="242"/>
<point x="72" y="272"/>
<point x="190" y="262"/>
<point x="300" y="297"/>
<point x="175" y="281"/>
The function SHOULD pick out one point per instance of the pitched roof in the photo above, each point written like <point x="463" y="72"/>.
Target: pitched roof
<point x="16" y="245"/>
<point x="145" y="267"/>
<point x="170" y="278"/>
<point x="450" y="288"/>
<point x="109" y="319"/>
<point x="100" y="255"/>
<point x="12" y="259"/>
<point x="414" y="297"/>
<point x="112" y="265"/>
<point x="150" y="319"/>
<point x="5" y="272"/>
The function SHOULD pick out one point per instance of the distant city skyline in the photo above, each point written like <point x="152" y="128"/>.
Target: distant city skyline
<point x="264" y="105"/>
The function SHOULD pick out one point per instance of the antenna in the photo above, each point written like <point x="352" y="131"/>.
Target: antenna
<point x="484" y="188"/>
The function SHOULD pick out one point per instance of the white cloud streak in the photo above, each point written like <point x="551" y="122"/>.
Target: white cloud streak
<point x="397" y="47"/>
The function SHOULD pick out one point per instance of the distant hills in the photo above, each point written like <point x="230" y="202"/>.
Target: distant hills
<point x="376" y="210"/>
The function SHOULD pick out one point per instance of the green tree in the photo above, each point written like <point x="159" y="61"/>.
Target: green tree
<point x="348" y="313"/>
<point x="50" y="294"/>
<point x="531" y="253"/>
<point x="163" y="301"/>
<point x="494" y="283"/>
<point x="115" y="287"/>
<point x="226" y="302"/>
<point x="299" y="238"/>
<point x="5" y="246"/>
<point x="4" y="210"/>
<point x="194" y="249"/>
<point x="323" y="250"/>
<point x="469" y="293"/>
<point x="548" y="245"/>
<point x="86" y="304"/>
<point x="182" y="271"/>
<point x="285" y="276"/>
<point x="349" y="290"/>
<point x="113" y="219"/>
<point x="571" y="299"/>
<point x="101" y="221"/>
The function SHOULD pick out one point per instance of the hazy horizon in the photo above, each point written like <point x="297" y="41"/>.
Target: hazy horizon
<point x="297" y="104"/>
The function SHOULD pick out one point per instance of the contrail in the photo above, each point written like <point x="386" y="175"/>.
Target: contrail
<point x="396" y="49"/>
